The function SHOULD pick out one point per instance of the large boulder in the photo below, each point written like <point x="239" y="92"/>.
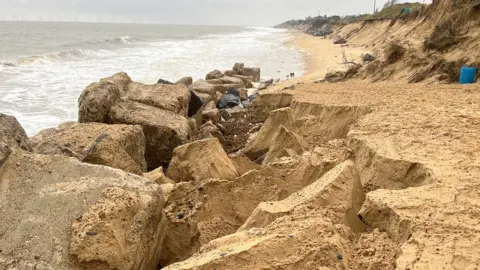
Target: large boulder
<point x="121" y="80"/>
<point x="185" y="80"/>
<point x="59" y="213"/>
<point x="238" y="68"/>
<point x="247" y="80"/>
<point x="158" y="176"/>
<point x="260" y="145"/>
<point x="214" y="75"/>
<point x="201" y="160"/>
<point x="201" y="86"/>
<point x="283" y="143"/>
<point x="205" y="98"/>
<point x="164" y="130"/>
<point x="168" y="97"/>
<point x="111" y="145"/>
<point x="12" y="136"/>
<point x="227" y="80"/>
<point x="211" y="115"/>
<point x="96" y="100"/>
<point x="253" y="72"/>
<point x="208" y="131"/>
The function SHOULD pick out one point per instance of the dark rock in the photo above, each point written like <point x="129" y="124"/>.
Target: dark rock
<point x="195" y="104"/>
<point x="162" y="81"/>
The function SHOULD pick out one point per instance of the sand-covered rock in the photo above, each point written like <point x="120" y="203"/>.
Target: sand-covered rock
<point x="164" y="130"/>
<point x="117" y="146"/>
<point x="59" y="213"/>
<point x="12" y="136"/>
<point x="201" y="160"/>
<point x="174" y="98"/>
<point x="185" y="80"/>
<point x="260" y="145"/>
<point x="273" y="100"/>
<point x="211" y="115"/>
<point x="340" y="188"/>
<point x="209" y="131"/>
<point x="158" y="176"/>
<point x="284" y="143"/>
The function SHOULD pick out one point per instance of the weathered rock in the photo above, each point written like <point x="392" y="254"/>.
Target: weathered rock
<point x="201" y="86"/>
<point x="201" y="160"/>
<point x="96" y="100"/>
<point x="12" y="136"/>
<point x="253" y="72"/>
<point x="158" y="177"/>
<point x="340" y="188"/>
<point x="244" y="164"/>
<point x="238" y="68"/>
<point x="262" y="142"/>
<point x="247" y="80"/>
<point x="230" y="73"/>
<point x="243" y="94"/>
<point x="173" y="98"/>
<point x="211" y="115"/>
<point x="121" y="80"/>
<point x="214" y="75"/>
<point x="116" y="146"/>
<point x="210" y="106"/>
<point x="282" y="143"/>
<point x="162" y="81"/>
<point x="59" y="213"/>
<point x="205" y="98"/>
<point x="273" y="99"/>
<point x="227" y="80"/>
<point x="185" y="80"/>
<point x="209" y="131"/>
<point x="164" y="130"/>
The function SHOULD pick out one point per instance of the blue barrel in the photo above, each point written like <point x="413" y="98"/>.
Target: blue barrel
<point x="468" y="75"/>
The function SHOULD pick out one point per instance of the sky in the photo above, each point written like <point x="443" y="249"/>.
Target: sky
<point x="209" y="12"/>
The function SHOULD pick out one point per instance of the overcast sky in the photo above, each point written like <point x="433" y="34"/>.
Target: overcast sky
<point x="224" y="12"/>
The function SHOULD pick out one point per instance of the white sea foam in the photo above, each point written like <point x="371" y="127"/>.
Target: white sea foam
<point x="42" y="91"/>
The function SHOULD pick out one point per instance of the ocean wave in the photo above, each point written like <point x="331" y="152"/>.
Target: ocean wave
<point x="116" y="40"/>
<point x="76" y="54"/>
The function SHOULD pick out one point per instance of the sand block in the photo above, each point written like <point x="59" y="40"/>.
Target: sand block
<point x="201" y="160"/>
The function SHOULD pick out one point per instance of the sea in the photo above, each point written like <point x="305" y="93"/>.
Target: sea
<point x="44" y="66"/>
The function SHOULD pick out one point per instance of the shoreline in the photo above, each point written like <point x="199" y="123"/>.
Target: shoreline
<point x="320" y="56"/>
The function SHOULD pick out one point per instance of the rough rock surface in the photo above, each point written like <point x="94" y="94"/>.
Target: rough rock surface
<point x="214" y="75"/>
<point x="238" y="68"/>
<point x="260" y="145"/>
<point x="273" y="100"/>
<point x="284" y="142"/>
<point x="174" y="98"/>
<point x="227" y="80"/>
<point x="96" y="100"/>
<point x="164" y="130"/>
<point x="93" y="142"/>
<point x="201" y="160"/>
<point x="211" y="115"/>
<point x="12" y="136"/>
<point x="59" y="213"/>
<point x="185" y="80"/>
<point x="209" y="130"/>
<point x="252" y="72"/>
<point x="158" y="176"/>
<point x="201" y="86"/>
